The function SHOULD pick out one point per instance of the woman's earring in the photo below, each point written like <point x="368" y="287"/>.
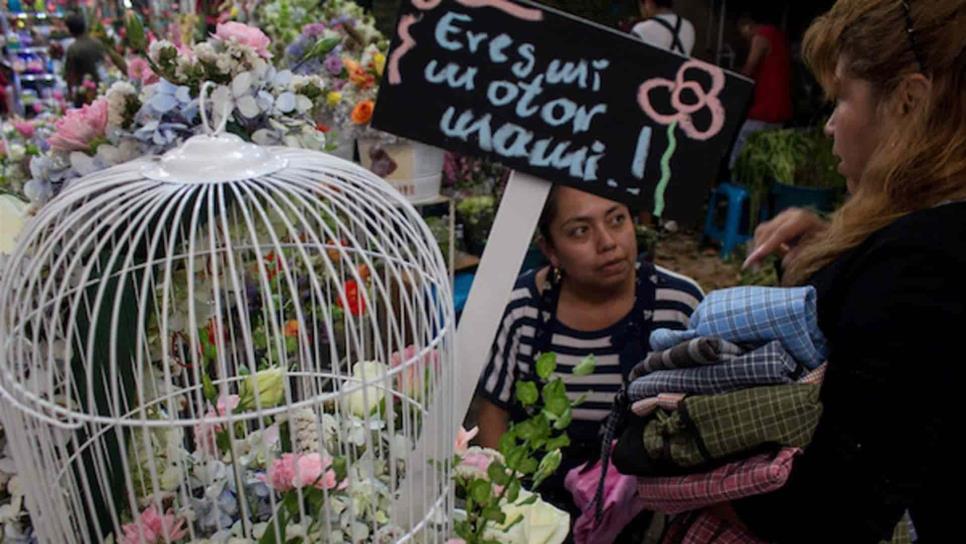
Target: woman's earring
<point x="557" y="275"/>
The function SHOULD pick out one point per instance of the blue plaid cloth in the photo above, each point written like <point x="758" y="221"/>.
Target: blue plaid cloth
<point x="756" y="315"/>
<point x="767" y="365"/>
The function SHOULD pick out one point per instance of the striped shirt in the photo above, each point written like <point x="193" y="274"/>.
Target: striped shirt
<point x="513" y="354"/>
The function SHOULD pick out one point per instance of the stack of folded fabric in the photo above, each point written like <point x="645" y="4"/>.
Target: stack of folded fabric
<point x="718" y="412"/>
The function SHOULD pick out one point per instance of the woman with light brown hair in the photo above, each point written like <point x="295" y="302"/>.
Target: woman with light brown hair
<point x="890" y="270"/>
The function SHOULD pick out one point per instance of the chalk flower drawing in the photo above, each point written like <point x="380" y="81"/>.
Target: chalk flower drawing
<point x="683" y="113"/>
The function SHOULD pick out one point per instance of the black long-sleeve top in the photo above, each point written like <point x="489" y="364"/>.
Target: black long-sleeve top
<point x="894" y="312"/>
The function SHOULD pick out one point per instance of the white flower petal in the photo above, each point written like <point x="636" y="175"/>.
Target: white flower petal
<point x="285" y="102"/>
<point x="248" y="107"/>
<point x="241" y="84"/>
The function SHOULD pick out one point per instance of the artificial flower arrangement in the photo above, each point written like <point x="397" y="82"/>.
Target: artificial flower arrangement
<point x="498" y="508"/>
<point x="157" y="112"/>
<point x="22" y="140"/>
<point x="285" y="20"/>
<point x="349" y="54"/>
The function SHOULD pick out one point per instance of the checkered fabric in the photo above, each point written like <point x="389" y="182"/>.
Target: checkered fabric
<point x="703" y="527"/>
<point x="697" y="352"/>
<point x="756" y="315"/>
<point x="706" y="528"/>
<point x="709" y="427"/>
<point x="767" y="365"/>
<point x="756" y="475"/>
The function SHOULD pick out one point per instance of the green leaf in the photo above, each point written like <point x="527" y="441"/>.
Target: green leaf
<point x="497" y="473"/>
<point x="558" y="442"/>
<point x="515" y="457"/>
<point x="529" y="500"/>
<point x="321" y="48"/>
<point x="526" y="393"/>
<point x="564" y="420"/>
<point x="513" y="491"/>
<point x="586" y="366"/>
<point x="557" y="406"/>
<point x="493" y="513"/>
<point x="208" y="388"/>
<point x="223" y="441"/>
<point x="528" y="465"/>
<point x="480" y="491"/>
<point x="546" y="364"/>
<point x="134" y="31"/>
<point x="507" y="441"/>
<point x="525" y="430"/>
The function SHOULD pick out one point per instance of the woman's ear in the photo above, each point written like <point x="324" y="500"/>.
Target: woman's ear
<point x="548" y="251"/>
<point x="913" y="93"/>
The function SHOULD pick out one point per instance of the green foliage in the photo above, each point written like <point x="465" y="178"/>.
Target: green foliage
<point x="531" y="451"/>
<point x="801" y="157"/>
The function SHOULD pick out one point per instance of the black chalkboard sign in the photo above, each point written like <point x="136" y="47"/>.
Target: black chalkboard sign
<point x="562" y="99"/>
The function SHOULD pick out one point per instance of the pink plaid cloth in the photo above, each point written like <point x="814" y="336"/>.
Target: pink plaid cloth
<point x="815" y="377"/>
<point x="754" y="476"/>
<point x="706" y="528"/>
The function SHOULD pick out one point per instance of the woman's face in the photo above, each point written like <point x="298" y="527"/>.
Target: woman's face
<point x="854" y="125"/>
<point x="592" y="240"/>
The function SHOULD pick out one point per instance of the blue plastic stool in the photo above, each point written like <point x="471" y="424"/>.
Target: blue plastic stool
<point x="461" y="290"/>
<point x="729" y="236"/>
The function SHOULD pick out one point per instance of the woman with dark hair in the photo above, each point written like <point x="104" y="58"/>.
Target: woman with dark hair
<point x="889" y="270"/>
<point x="596" y="297"/>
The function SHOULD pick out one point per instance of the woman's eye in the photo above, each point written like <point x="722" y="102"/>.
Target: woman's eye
<point x="578" y="231"/>
<point x="618" y="219"/>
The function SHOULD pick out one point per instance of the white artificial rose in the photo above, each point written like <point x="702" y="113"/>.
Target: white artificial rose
<point x="365" y="399"/>
<point x="17" y="152"/>
<point x="13" y="214"/>
<point x="542" y="523"/>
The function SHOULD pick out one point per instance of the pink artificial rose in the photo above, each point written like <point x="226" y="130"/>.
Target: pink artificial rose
<point x="295" y="471"/>
<point x="407" y="379"/>
<point x="27" y="130"/>
<point x="476" y="460"/>
<point x="78" y="128"/>
<point x="205" y="431"/>
<point x="463" y="438"/>
<point x="245" y="35"/>
<point x="153" y="528"/>
<point x="138" y="69"/>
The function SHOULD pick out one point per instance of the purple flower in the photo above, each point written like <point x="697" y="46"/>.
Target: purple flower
<point x="313" y="30"/>
<point x="333" y="63"/>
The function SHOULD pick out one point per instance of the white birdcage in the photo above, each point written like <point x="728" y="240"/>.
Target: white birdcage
<point x="229" y="342"/>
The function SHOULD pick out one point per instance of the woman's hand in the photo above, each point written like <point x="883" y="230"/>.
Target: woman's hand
<point x="782" y="235"/>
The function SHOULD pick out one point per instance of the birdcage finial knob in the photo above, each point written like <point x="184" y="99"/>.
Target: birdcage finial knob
<point x="214" y="157"/>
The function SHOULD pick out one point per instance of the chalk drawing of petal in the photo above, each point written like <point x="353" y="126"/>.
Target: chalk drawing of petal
<point x="426" y="5"/>
<point x="644" y="99"/>
<point x="520" y="12"/>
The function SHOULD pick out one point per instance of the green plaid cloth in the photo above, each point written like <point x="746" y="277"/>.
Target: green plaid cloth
<point x="713" y="427"/>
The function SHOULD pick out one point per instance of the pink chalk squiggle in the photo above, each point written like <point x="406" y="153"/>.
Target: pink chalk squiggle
<point x="406" y="21"/>
<point x="683" y="112"/>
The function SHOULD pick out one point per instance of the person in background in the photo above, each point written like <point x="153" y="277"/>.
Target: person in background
<point x="663" y="28"/>
<point x="769" y="63"/>
<point x="596" y="297"/>
<point x="84" y="57"/>
<point x="888" y="269"/>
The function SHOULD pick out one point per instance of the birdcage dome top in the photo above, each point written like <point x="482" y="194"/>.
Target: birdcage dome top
<point x="214" y="158"/>
<point x="207" y="222"/>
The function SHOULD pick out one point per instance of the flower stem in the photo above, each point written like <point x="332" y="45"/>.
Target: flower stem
<point x="672" y="145"/>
